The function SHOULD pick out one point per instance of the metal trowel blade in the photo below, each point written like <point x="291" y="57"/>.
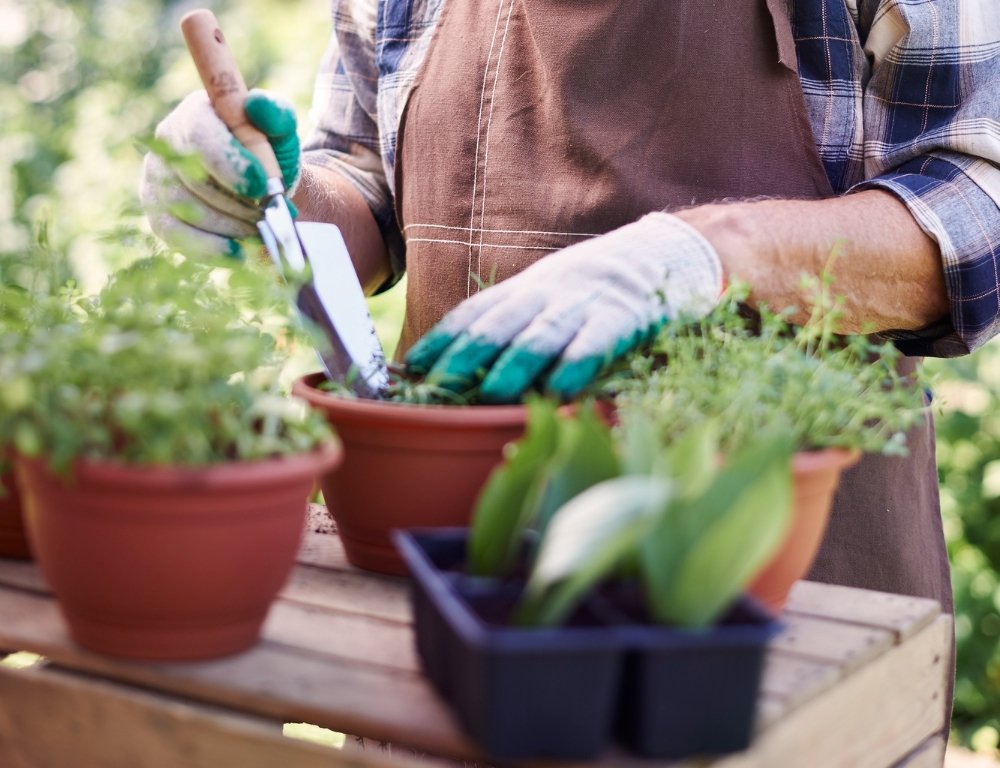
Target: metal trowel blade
<point x="314" y="257"/>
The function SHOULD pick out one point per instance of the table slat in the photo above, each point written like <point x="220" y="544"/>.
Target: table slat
<point x="903" y="616"/>
<point x="347" y="636"/>
<point x="63" y="718"/>
<point x="847" y="645"/>
<point x="871" y="719"/>
<point x="352" y="591"/>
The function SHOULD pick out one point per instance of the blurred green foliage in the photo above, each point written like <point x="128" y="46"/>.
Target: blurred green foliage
<point x="968" y="432"/>
<point x="82" y="81"/>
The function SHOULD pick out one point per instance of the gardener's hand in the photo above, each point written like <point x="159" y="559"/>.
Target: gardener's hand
<point x="562" y="319"/>
<point x="208" y="213"/>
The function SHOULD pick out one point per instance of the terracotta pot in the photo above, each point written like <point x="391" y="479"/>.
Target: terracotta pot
<point x="169" y="563"/>
<point x="815" y="476"/>
<point x="13" y="538"/>
<point x="406" y="466"/>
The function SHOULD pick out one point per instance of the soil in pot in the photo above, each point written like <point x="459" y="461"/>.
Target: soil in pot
<point x="406" y="466"/>
<point x="815" y="476"/>
<point x="13" y="537"/>
<point x="169" y="563"/>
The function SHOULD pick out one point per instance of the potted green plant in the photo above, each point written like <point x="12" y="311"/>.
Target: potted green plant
<point x="646" y="567"/>
<point x="837" y="395"/>
<point x="166" y="476"/>
<point x="417" y="458"/>
<point x="32" y="285"/>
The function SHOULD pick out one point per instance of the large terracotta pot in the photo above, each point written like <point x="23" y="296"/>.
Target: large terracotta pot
<point x="406" y="466"/>
<point x="169" y="563"/>
<point x="815" y="476"/>
<point x="13" y="539"/>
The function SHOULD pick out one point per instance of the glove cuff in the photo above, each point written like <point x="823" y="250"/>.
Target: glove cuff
<point x="691" y="276"/>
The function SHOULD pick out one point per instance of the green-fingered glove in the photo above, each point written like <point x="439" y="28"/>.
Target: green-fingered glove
<point x="561" y="320"/>
<point x="209" y="213"/>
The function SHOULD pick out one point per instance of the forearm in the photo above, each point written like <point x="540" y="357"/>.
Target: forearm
<point x="324" y="195"/>
<point x="884" y="265"/>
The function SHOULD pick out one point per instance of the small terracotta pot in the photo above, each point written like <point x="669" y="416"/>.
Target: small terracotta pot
<point x="815" y="476"/>
<point x="169" y="563"/>
<point x="406" y="466"/>
<point x="13" y="538"/>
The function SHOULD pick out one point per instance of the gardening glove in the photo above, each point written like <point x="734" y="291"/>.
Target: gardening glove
<point x="208" y="210"/>
<point x="563" y="318"/>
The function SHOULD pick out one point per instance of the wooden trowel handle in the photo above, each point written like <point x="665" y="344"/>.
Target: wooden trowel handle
<point x="224" y="83"/>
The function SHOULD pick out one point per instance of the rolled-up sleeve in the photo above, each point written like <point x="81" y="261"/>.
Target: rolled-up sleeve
<point x="932" y="138"/>
<point x="346" y="134"/>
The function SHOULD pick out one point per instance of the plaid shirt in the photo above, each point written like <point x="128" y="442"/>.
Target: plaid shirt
<point x="903" y="95"/>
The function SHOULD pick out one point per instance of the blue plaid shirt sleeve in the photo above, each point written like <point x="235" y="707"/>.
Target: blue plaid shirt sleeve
<point x="346" y="137"/>
<point x="931" y="118"/>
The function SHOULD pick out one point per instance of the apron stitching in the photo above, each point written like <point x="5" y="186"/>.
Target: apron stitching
<point x="486" y="149"/>
<point x="479" y="133"/>
<point x="485" y="245"/>
<point x="505" y="231"/>
<point x="828" y="113"/>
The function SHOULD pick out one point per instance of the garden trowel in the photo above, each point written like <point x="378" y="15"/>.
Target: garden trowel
<point x="310" y="256"/>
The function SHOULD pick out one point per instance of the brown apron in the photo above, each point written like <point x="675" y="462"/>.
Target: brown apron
<point x="536" y="123"/>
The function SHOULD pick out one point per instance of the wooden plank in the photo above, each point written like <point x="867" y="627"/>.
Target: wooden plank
<point x="326" y="578"/>
<point x="271" y="680"/>
<point x="352" y="637"/>
<point x="321" y="545"/>
<point x="794" y="680"/>
<point x="871" y="719"/>
<point x="53" y="718"/>
<point x="847" y="645"/>
<point x="770" y="709"/>
<point x="320" y="520"/>
<point x="930" y="754"/>
<point x="352" y="591"/>
<point x="903" y="616"/>
<point x="22" y="574"/>
<point x="810" y="655"/>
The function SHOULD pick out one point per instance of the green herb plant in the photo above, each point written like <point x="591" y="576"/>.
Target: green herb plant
<point x="405" y="389"/>
<point x="170" y="364"/>
<point x="752" y="372"/>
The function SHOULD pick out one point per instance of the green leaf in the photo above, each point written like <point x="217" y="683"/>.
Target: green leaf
<point x="693" y="462"/>
<point x="585" y="455"/>
<point x="639" y="443"/>
<point x="505" y="505"/>
<point x="586" y="539"/>
<point x="693" y="459"/>
<point x="725" y="536"/>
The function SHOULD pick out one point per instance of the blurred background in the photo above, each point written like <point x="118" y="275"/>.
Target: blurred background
<point x="85" y="81"/>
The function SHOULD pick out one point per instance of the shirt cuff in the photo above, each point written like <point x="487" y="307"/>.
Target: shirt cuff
<point x="371" y="187"/>
<point x="954" y="199"/>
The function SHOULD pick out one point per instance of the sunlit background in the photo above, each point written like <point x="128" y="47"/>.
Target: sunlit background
<point x="84" y="82"/>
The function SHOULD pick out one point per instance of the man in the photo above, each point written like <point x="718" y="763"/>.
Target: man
<point x="539" y="142"/>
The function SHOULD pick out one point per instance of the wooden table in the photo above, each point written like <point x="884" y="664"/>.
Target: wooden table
<point x="856" y="679"/>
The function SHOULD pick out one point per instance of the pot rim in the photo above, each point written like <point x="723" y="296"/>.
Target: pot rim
<point x="223" y="475"/>
<point x="407" y="413"/>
